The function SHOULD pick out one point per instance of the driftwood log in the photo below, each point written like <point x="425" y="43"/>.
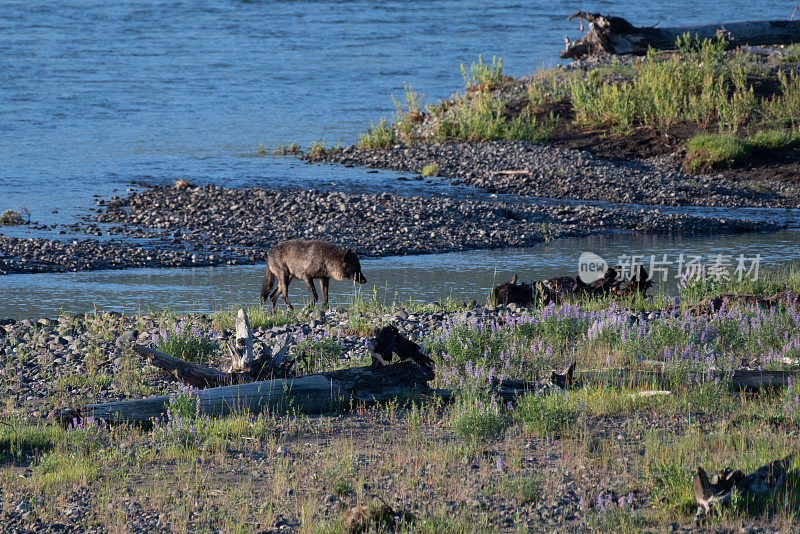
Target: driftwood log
<point x="317" y="393"/>
<point x="615" y="35"/>
<point x="740" y="380"/>
<point x="714" y="304"/>
<point x="718" y="491"/>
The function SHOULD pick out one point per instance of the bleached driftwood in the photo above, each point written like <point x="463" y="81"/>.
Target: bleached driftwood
<point x="740" y="380"/>
<point x="317" y="393"/>
<point x="242" y="350"/>
<point x="615" y="35"/>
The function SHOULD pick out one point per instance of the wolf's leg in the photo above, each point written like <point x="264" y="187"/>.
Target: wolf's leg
<point x="273" y="297"/>
<point x="323" y="284"/>
<point x="266" y="285"/>
<point x="286" y="280"/>
<point x="314" y="298"/>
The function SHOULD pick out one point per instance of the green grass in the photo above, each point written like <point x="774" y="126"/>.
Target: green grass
<point x="18" y="439"/>
<point x="431" y="169"/>
<point x="482" y="117"/>
<point x="706" y="152"/>
<point x="187" y="345"/>
<point x="257" y="315"/>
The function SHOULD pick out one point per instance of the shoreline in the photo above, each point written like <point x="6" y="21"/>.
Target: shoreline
<point x="538" y="170"/>
<point x="212" y="225"/>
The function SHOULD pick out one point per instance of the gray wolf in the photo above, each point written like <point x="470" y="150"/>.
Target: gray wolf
<point x="306" y="260"/>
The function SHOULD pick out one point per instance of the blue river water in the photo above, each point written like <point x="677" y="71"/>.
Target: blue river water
<point x="99" y="97"/>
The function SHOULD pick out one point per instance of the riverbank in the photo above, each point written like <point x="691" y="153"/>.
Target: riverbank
<point x="700" y="126"/>
<point x="200" y="226"/>
<point x="600" y="457"/>
<point x="538" y="170"/>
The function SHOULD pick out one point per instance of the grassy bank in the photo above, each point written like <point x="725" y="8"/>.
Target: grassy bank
<point x="724" y="106"/>
<point x="601" y="457"/>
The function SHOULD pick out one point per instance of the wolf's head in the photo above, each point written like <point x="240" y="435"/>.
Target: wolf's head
<point x="352" y="267"/>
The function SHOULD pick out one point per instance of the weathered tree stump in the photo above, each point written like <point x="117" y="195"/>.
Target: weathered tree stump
<point x="615" y="35"/>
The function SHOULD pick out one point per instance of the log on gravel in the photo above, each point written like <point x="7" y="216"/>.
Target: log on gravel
<point x="317" y="393"/>
<point x="615" y="35"/>
<point x="741" y="380"/>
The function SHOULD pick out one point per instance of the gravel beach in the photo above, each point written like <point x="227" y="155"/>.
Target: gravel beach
<point x="531" y="169"/>
<point x="211" y="225"/>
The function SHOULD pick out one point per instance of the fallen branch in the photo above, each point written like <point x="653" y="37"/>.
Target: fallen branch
<point x="317" y="393"/>
<point x="740" y="380"/>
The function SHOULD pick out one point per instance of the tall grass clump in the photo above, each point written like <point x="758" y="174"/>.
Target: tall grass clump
<point x="694" y="85"/>
<point x="482" y="76"/>
<point x="546" y="414"/>
<point x="783" y="109"/>
<point x="381" y="135"/>
<point x="25" y="440"/>
<point x="185" y="340"/>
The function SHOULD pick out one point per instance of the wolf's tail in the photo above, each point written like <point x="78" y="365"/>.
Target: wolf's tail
<point x="266" y="285"/>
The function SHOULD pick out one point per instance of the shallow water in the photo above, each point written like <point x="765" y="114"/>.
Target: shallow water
<point x="96" y="96"/>
<point x="463" y="275"/>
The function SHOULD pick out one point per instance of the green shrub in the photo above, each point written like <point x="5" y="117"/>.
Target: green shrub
<point x="546" y="414"/>
<point x="525" y="489"/>
<point x="475" y="419"/>
<point x="431" y="169"/>
<point x="11" y="218"/>
<point x="381" y="135"/>
<point x="483" y="77"/>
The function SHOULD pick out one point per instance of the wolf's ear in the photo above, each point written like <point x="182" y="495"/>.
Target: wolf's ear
<point x="514" y="279"/>
<point x="349" y="253"/>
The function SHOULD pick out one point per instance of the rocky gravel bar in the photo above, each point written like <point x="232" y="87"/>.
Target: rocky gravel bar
<point x="531" y="169"/>
<point x="211" y="225"/>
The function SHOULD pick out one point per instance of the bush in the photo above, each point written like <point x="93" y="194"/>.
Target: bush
<point x="431" y="169"/>
<point x="474" y="419"/>
<point x="11" y="218"/>
<point x="546" y="414"/>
